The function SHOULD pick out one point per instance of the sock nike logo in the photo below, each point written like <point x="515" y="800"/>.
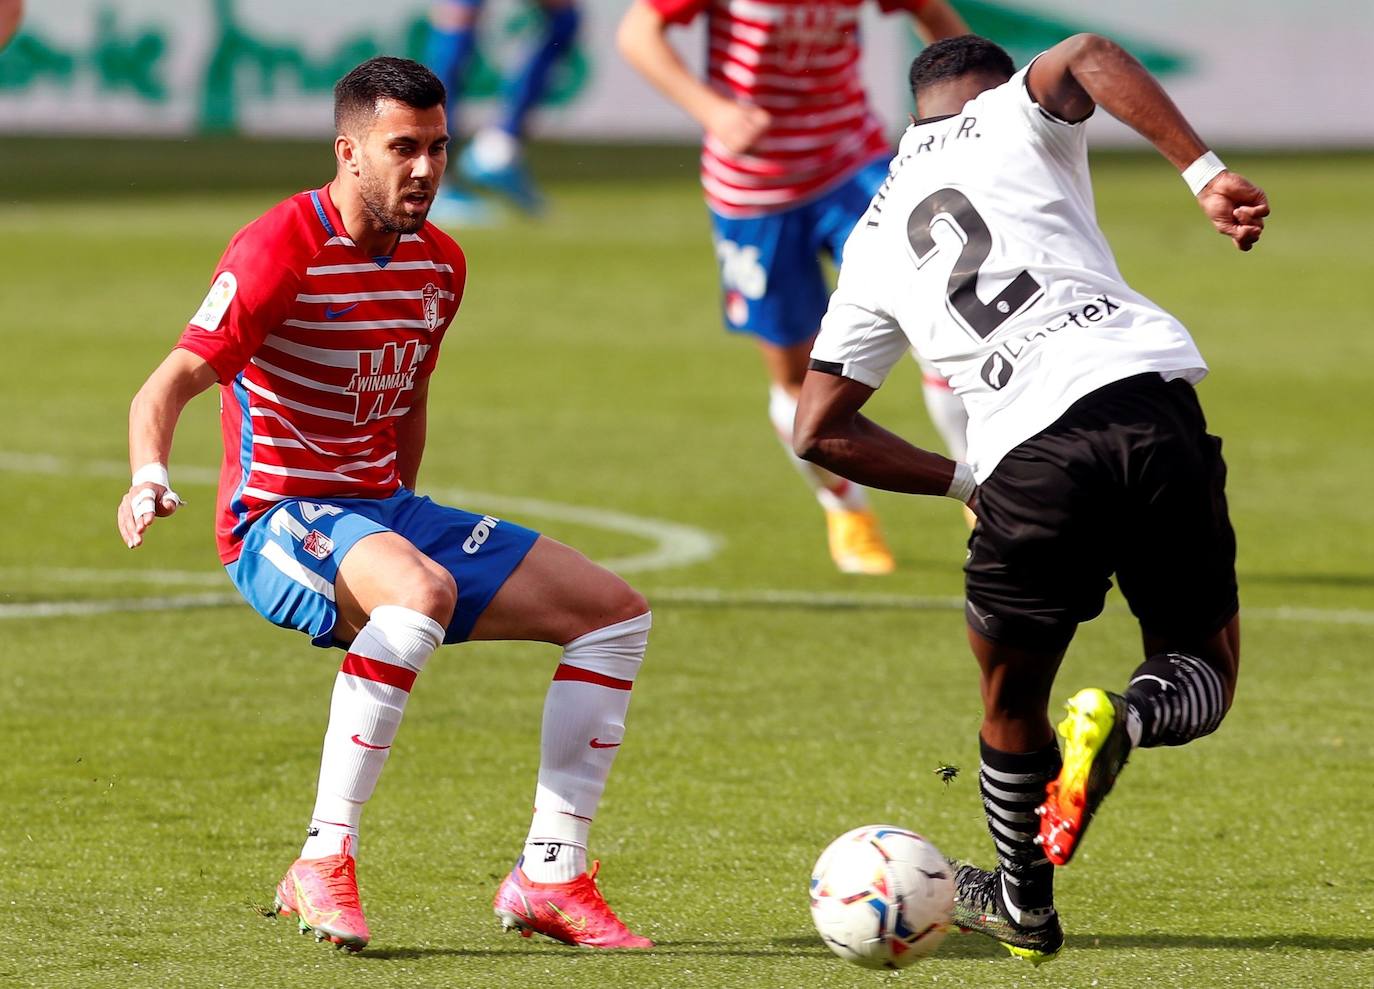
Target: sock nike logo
<point x="597" y="743"/>
<point x="359" y="741"/>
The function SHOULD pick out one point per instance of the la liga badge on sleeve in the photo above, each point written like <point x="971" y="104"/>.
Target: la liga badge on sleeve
<point x="216" y="303"/>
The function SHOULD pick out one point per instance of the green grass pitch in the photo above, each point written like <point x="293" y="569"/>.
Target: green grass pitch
<point x="159" y="765"/>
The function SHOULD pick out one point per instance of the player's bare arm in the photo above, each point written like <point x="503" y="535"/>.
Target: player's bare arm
<point x="643" y="43"/>
<point x="1088" y="70"/>
<point x="410" y="435"/>
<point x="830" y="431"/>
<point x="937" y="19"/>
<point x="153" y="417"/>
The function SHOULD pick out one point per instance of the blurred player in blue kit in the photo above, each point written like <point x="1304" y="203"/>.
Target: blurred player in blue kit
<point x="495" y="159"/>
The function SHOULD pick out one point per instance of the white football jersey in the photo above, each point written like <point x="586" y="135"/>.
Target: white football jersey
<point x="982" y="252"/>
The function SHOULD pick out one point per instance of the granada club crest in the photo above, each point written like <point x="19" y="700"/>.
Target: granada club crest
<point x="317" y="544"/>
<point x="429" y="299"/>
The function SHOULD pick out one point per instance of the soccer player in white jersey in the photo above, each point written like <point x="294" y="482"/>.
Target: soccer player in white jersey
<point x="792" y="156"/>
<point x="322" y="328"/>
<point x="1088" y="454"/>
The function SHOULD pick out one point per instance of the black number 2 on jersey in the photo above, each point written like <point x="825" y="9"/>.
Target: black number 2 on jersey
<point x="982" y="318"/>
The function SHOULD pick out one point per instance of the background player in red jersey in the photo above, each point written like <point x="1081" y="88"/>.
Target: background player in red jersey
<point x="791" y="158"/>
<point x="11" y="12"/>
<point x="322" y="327"/>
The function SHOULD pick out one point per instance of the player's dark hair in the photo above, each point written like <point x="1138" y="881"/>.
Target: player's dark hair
<point x="951" y="58"/>
<point x="384" y="78"/>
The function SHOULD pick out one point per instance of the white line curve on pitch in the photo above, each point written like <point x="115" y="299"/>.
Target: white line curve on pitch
<point x="674" y="544"/>
<point x="764" y="598"/>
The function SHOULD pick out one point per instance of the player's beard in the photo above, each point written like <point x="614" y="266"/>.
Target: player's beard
<point x="387" y="210"/>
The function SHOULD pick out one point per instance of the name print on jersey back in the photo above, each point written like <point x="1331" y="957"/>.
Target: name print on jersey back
<point x="981" y="251"/>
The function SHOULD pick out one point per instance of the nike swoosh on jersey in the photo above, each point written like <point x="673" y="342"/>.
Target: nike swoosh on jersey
<point x="332" y="313"/>
<point x="366" y="745"/>
<point x="596" y="743"/>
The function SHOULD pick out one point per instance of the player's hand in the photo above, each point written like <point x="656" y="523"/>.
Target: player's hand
<point x="1236" y="207"/>
<point x="738" y="126"/>
<point x="137" y="509"/>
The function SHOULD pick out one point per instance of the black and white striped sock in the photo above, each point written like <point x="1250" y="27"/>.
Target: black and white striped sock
<point x="1012" y="785"/>
<point x="1177" y="698"/>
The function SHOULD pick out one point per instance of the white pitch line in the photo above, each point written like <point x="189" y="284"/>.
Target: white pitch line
<point x="675" y="544"/>
<point x="838" y="601"/>
<point x="25" y="576"/>
<point x="678" y="545"/>
<point x="110" y="606"/>
<point x="685" y="596"/>
<point x="43" y="463"/>
<point x="820" y="600"/>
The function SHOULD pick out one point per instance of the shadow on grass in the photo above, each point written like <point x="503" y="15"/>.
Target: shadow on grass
<point x="965" y="946"/>
<point x="782" y="947"/>
<point x="1311" y="579"/>
<point x="1287" y="940"/>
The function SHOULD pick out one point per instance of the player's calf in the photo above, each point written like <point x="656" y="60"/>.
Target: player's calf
<point x="583" y="729"/>
<point x="1176" y="698"/>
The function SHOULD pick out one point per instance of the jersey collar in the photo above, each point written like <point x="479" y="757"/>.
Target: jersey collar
<point x="325" y="212"/>
<point x="331" y="222"/>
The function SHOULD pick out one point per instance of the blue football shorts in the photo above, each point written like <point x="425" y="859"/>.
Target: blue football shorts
<point x="291" y="555"/>
<point x="771" y="280"/>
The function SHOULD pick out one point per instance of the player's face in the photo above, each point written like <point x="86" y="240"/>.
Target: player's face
<point x="401" y="161"/>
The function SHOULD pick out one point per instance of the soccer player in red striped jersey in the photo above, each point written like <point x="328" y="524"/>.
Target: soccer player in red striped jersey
<point x="11" y="13"/>
<point x="322" y="327"/>
<point x="791" y="158"/>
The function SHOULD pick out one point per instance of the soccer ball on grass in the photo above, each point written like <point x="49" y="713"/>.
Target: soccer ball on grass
<point x="882" y="896"/>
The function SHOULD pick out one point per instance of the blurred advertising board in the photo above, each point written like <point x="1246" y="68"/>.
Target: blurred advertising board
<point x="1266" y="73"/>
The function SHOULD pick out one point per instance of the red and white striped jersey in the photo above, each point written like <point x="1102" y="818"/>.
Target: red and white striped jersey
<point x="317" y="347"/>
<point x="799" y="60"/>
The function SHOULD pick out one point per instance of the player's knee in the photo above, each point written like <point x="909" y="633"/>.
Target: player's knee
<point x="625" y="602"/>
<point x="1226" y="670"/>
<point x="433" y="592"/>
<point x="613" y="602"/>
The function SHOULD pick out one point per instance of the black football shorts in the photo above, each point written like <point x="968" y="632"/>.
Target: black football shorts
<point x="1127" y="482"/>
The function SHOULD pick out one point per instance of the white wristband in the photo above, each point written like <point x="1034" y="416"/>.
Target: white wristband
<point x="145" y="503"/>
<point x="154" y="473"/>
<point x="1207" y="167"/>
<point x="962" y="485"/>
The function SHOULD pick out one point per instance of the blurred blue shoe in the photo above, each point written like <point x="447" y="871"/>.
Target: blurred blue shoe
<point x="492" y="160"/>
<point x="457" y="207"/>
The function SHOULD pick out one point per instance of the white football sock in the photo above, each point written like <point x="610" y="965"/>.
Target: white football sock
<point x="370" y="695"/>
<point x="832" y="491"/>
<point x="584" y="724"/>
<point x="947" y="413"/>
<point x="495" y="149"/>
